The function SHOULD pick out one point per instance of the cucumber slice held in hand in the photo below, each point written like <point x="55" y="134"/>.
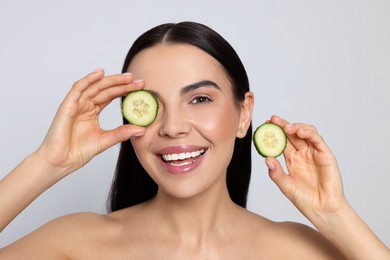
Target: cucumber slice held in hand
<point x="140" y="107"/>
<point x="270" y="140"/>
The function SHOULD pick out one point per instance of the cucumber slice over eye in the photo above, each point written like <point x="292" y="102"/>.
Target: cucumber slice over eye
<point x="270" y="140"/>
<point x="140" y="107"/>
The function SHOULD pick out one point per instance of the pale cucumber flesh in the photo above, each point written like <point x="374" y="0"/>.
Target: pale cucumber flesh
<point x="140" y="108"/>
<point x="270" y="140"/>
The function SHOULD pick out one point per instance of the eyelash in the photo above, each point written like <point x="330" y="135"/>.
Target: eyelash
<point x="201" y="99"/>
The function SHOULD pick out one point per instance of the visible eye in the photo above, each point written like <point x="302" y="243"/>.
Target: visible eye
<point x="201" y="99"/>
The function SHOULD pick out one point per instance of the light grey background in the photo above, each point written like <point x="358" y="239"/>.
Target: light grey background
<point x="325" y="63"/>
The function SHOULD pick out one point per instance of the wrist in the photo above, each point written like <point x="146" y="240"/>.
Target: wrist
<point x="39" y="160"/>
<point x="326" y="219"/>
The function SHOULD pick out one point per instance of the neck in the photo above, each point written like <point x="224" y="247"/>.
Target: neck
<point x="196" y="218"/>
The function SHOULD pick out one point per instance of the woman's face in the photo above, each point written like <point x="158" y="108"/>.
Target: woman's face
<point x="189" y="146"/>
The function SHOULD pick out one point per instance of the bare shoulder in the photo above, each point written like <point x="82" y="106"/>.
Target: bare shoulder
<point x="289" y="240"/>
<point x="60" y="238"/>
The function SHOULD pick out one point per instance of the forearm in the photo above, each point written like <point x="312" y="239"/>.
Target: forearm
<point x="23" y="185"/>
<point x="351" y="235"/>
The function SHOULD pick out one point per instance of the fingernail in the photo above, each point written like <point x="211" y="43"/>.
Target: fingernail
<point x="138" y="81"/>
<point x="270" y="164"/>
<point x="139" y="134"/>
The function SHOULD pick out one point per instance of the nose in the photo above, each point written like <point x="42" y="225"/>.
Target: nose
<point x="174" y="123"/>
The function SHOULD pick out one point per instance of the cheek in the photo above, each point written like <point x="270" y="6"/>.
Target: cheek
<point x="221" y="121"/>
<point x="141" y="146"/>
<point x="137" y="144"/>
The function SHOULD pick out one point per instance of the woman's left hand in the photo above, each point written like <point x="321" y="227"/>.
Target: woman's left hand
<point x="313" y="183"/>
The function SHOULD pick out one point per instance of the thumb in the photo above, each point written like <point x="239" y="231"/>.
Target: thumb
<point x="120" y="134"/>
<point x="277" y="175"/>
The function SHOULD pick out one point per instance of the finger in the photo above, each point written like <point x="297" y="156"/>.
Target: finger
<point x="283" y="123"/>
<point x="278" y="120"/>
<point x="78" y="87"/>
<point x="277" y="175"/>
<point x="107" y="82"/>
<point x="291" y="132"/>
<point x="120" y="134"/>
<point x="83" y="83"/>
<point x="313" y="138"/>
<point x="106" y="96"/>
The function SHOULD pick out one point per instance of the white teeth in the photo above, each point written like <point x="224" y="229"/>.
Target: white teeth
<point x="182" y="156"/>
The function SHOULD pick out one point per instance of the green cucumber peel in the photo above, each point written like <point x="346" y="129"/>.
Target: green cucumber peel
<point x="270" y="140"/>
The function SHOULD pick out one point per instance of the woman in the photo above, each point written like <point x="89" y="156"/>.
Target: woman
<point x="193" y="208"/>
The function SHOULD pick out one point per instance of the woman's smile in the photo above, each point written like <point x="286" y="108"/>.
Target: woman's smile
<point x="181" y="159"/>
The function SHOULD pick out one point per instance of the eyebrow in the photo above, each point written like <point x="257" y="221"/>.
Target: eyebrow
<point x="184" y="90"/>
<point x="197" y="85"/>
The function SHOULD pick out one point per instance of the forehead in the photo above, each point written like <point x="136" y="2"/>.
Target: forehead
<point x="179" y="63"/>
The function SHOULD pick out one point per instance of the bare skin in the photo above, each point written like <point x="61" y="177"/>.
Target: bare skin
<point x="193" y="219"/>
<point x="139" y="233"/>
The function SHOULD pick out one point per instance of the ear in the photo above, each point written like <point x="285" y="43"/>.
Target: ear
<point x="245" y="114"/>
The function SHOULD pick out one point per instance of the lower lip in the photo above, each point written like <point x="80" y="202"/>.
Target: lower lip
<point x="182" y="169"/>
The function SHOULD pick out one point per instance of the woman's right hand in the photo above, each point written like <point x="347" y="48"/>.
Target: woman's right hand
<point x="73" y="139"/>
<point x="75" y="136"/>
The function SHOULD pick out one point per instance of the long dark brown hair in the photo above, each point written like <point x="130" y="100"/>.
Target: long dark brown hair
<point x="131" y="184"/>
